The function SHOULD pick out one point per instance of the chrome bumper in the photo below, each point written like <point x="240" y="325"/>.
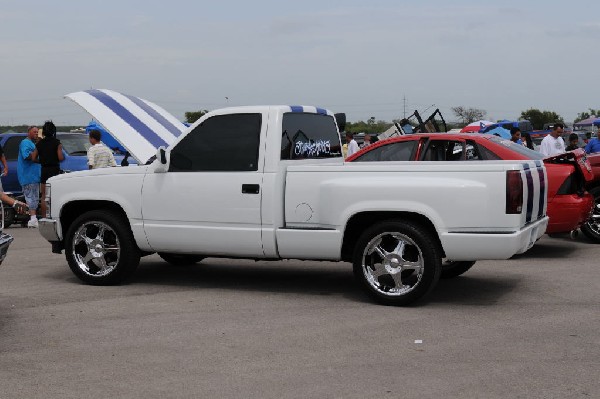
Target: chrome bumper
<point x="5" y="241"/>
<point x="49" y="229"/>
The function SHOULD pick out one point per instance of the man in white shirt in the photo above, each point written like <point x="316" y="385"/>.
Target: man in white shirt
<point x="352" y="144"/>
<point x="99" y="155"/>
<point x="553" y="144"/>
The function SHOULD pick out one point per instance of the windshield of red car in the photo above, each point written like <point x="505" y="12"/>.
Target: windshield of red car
<point x="521" y="149"/>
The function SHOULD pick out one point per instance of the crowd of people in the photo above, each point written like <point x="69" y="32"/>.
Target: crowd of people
<point x="553" y="143"/>
<point x="39" y="159"/>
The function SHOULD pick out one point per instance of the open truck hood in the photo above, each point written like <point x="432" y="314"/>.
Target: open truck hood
<point x="138" y="125"/>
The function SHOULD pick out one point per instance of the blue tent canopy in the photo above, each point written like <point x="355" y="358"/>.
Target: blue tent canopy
<point x="499" y="131"/>
<point x="107" y="138"/>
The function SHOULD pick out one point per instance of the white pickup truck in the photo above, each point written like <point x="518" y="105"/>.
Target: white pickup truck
<point x="269" y="182"/>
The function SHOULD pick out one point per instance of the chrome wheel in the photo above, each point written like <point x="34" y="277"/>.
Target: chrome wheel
<point x="392" y="264"/>
<point x="96" y="248"/>
<point x="591" y="228"/>
<point x="593" y="222"/>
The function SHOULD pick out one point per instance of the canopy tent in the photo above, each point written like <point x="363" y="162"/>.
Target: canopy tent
<point x="499" y="131"/>
<point x="592" y="121"/>
<point x="475" y="127"/>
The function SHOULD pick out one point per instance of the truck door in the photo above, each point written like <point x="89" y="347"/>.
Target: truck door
<point x="209" y="200"/>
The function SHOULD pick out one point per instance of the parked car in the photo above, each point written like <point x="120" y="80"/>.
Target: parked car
<point x="592" y="227"/>
<point x="569" y="204"/>
<point x="5" y="239"/>
<point x="75" y="146"/>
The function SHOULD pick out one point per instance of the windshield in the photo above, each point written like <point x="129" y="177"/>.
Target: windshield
<point x="74" y="143"/>
<point x="521" y="149"/>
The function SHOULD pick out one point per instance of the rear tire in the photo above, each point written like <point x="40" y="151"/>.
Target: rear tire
<point x="397" y="262"/>
<point x="9" y="216"/>
<point x="591" y="228"/>
<point x="100" y="248"/>
<point x="179" y="259"/>
<point x="451" y="269"/>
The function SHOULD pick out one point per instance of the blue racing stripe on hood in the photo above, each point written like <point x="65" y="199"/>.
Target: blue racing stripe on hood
<point x="128" y="117"/>
<point x="297" y="108"/>
<point x="321" y="111"/>
<point x="152" y="112"/>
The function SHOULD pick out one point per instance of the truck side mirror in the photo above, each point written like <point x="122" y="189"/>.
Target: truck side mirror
<point x="340" y="119"/>
<point x="162" y="165"/>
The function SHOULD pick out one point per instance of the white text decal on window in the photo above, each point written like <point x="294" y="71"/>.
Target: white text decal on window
<point x="312" y="148"/>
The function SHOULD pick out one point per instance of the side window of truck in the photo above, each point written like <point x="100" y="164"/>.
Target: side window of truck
<point x="220" y="143"/>
<point x="309" y="136"/>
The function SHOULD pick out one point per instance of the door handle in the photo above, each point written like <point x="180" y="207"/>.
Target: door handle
<point x="250" y="189"/>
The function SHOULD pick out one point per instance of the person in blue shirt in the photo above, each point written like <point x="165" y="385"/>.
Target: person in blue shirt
<point x="29" y="174"/>
<point x="594" y="144"/>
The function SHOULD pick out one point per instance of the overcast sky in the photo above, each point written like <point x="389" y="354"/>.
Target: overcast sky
<point x="358" y="57"/>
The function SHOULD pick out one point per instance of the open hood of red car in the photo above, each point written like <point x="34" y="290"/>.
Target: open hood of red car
<point x="579" y="158"/>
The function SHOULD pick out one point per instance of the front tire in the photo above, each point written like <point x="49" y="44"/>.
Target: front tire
<point x="397" y="262"/>
<point x="451" y="269"/>
<point x="100" y="248"/>
<point x="591" y="228"/>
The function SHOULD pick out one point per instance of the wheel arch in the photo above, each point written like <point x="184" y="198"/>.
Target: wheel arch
<point x="359" y="222"/>
<point x="74" y="209"/>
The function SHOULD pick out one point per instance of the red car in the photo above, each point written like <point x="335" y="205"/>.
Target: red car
<point x="569" y="204"/>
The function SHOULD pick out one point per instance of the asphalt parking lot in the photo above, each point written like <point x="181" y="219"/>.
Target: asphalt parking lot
<point x="522" y="328"/>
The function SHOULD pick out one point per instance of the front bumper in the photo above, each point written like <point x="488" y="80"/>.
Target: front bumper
<point x="49" y="229"/>
<point x="5" y="241"/>
<point x="479" y="246"/>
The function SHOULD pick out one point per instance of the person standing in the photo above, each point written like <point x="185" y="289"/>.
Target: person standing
<point x="367" y="141"/>
<point x="4" y="164"/>
<point x="527" y="142"/>
<point x="99" y="155"/>
<point x="594" y="144"/>
<point x="29" y="174"/>
<point x="515" y="135"/>
<point x="553" y="144"/>
<point x="49" y="153"/>
<point x="573" y="142"/>
<point x="352" y="144"/>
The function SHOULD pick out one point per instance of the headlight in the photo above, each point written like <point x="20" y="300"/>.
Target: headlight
<point x="47" y="199"/>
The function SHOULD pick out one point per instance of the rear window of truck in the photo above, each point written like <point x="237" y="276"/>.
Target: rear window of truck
<point x="309" y="136"/>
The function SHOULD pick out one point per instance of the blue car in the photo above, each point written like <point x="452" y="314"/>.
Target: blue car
<point x="75" y="146"/>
